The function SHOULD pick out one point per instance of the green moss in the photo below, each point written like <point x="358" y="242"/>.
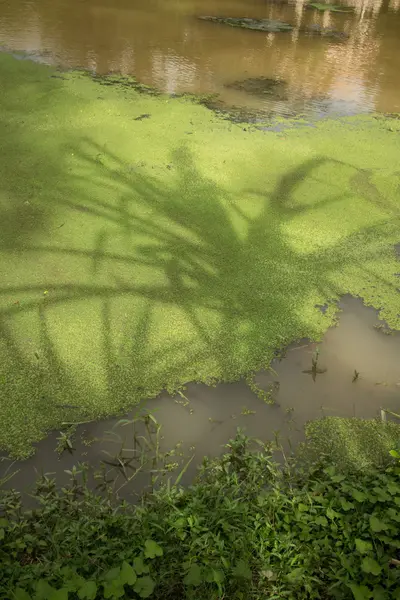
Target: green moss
<point x="141" y="254"/>
<point x="353" y="443"/>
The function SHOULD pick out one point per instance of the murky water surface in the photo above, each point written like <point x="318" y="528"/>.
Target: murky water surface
<point x="164" y="44"/>
<point x="205" y="418"/>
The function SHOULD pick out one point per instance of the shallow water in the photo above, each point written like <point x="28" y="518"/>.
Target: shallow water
<point x="165" y="45"/>
<point x="205" y="419"/>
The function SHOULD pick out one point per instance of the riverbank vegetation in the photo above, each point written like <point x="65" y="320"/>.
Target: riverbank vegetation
<point x="246" y="529"/>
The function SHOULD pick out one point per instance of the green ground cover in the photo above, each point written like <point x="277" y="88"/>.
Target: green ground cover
<point x="245" y="530"/>
<point x="145" y="243"/>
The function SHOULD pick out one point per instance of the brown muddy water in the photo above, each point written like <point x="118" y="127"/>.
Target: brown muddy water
<point x="203" y="419"/>
<point x="163" y="44"/>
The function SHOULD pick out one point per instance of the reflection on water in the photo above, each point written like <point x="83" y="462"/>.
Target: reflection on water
<point x="163" y="44"/>
<point x="203" y="419"/>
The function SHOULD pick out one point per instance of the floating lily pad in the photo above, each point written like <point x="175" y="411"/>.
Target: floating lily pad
<point x="262" y="86"/>
<point x="332" y="7"/>
<point x="326" y="32"/>
<point x="267" y="25"/>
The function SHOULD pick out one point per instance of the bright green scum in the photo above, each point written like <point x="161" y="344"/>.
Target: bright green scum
<point x="138" y="254"/>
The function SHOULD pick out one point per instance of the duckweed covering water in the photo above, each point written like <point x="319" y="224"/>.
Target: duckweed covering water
<point x="138" y="254"/>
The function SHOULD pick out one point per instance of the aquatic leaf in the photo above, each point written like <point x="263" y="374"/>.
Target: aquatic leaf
<point x="369" y="565"/>
<point x="152" y="549"/>
<point x="144" y="586"/>
<point x="194" y="575"/>
<point x="362" y="546"/>
<point x="88" y="591"/>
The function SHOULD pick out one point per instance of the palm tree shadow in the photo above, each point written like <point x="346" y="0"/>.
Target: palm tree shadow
<point x="183" y="292"/>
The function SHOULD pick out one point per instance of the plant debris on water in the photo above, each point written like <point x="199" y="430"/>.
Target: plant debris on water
<point x="330" y="7"/>
<point x="268" y="25"/>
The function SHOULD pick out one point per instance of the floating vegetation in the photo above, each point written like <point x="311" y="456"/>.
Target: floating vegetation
<point x="315" y="369"/>
<point x="331" y="7"/>
<point x="246" y="411"/>
<point x="262" y="86"/>
<point x="353" y="443"/>
<point x="66" y="440"/>
<point x="264" y="395"/>
<point x="267" y="25"/>
<point x="326" y="32"/>
<point x="383" y="328"/>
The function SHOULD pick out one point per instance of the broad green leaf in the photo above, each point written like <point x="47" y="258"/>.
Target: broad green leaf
<point x="21" y="594"/>
<point x="88" y="591"/>
<point x="377" y="525"/>
<point x="152" y="549"/>
<point x="218" y="576"/>
<point x="393" y="488"/>
<point x="321" y="521"/>
<point x="345" y="504"/>
<point x="193" y="576"/>
<point x="369" y="565"/>
<point x="128" y="574"/>
<point x="378" y="593"/>
<point x="144" y="586"/>
<point x="360" y="592"/>
<point x="61" y="594"/>
<point x="113" y="590"/>
<point x="295" y="574"/>
<point x="139" y="566"/>
<point x="43" y="590"/>
<point x="359" y="496"/>
<point x="242" y="569"/>
<point x="363" y="547"/>
<point x="332" y="514"/>
<point x="112" y="574"/>
<point x="394" y="453"/>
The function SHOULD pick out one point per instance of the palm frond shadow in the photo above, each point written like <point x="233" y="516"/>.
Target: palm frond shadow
<point x="169" y="249"/>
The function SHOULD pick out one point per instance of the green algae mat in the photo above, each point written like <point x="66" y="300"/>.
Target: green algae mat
<point x="145" y="243"/>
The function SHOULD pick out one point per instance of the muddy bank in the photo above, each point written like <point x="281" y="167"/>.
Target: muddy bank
<point x="199" y="420"/>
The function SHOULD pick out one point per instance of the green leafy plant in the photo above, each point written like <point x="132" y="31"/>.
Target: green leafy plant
<point x="248" y="528"/>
